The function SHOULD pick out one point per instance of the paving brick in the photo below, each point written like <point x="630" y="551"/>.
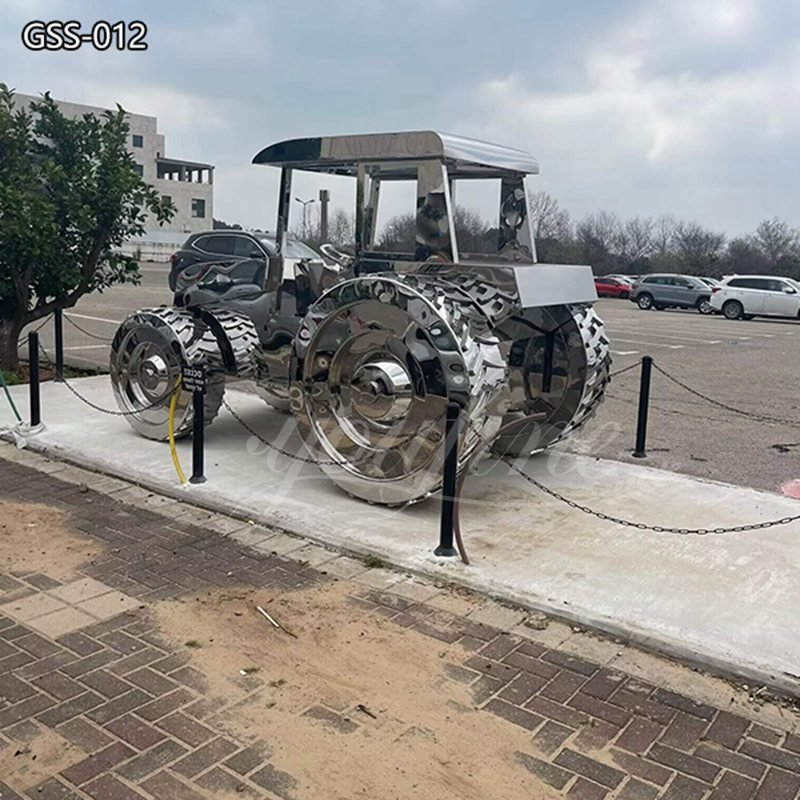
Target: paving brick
<point x="636" y="790"/>
<point x="331" y="718"/>
<point x="763" y="734"/>
<point x="589" y="768"/>
<point x="683" y="788"/>
<point x="730" y="760"/>
<point x="36" y="645"/>
<point x="205" y="757"/>
<point x="500" y="647"/>
<point x="129" y="701"/>
<point x="85" y="735"/>
<point x="79" y="643"/>
<point x="586" y="790"/>
<point x="51" y="789"/>
<point x="135" y="660"/>
<point x="595" y="736"/>
<point x="604" y="683"/>
<point x="501" y="672"/>
<point x="792" y="743"/>
<point x="248" y="759"/>
<point x="772" y="755"/>
<point x="12" y="690"/>
<point x="90" y="663"/>
<point x="59" y="686"/>
<point x="68" y="709"/>
<point x="551" y="736"/>
<point x="778" y="785"/>
<point x="522" y="688"/>
<point x="484" y="688"/>
<point x="162" y="785"/>
<point x="563" y="686"/>
<point x="643" y="705"/>
<point x="552" y="775"/>
<point x="156" y="758"/>
<point x="107" y="787"/>
<point x="162" y="706"/>
<point x="106" y="684"/>
<point x="696" y="767"/>
<point x="514" y="714"/>
<point x="186" y="729"/>
<point x="27" y="708"/>
<point x="276" y="781"/>
<point x="727" y="729"/>
<point x="190" y="677"/>
<point x="170" y="663"/>
<point x="136" y="733"/>
<point x="98" y="763"/>
<point x="227" y="784"/>
<point x="641" y="768"/>
<point x="684" y="704"/>
<point x="555" y="711"/>
<point x="528" y="663"/>
<point x="600" y="709"/>
<point x="734" y="787"/>
<point x="151" y="681"/>
<point x="639" y="734"/>
<point x="572" y="663"/>
<point x="684" y="732"/>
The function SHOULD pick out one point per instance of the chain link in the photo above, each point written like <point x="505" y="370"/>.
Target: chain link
<point x="271" y="445"/>
<point x="755" y="526"/>
<point x="624" y="369"/>
<point x="725" y="406"/>
<point x="84" y="331"/>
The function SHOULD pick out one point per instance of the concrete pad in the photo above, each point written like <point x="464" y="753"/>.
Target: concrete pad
<point x="109" y="605"/>
<point x="61" y="622"/>
<point x="725" y="601"/>
<point x="79" y="590"/>
<point x="28" y="608"/>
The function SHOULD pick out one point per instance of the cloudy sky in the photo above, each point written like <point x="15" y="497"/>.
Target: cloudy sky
<point x="636" y="106"/>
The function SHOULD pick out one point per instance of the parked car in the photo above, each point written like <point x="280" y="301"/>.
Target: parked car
<point x="712" y="282"/>
<point x="747" y="296"/>
<point x="662" y="291"/>
<point x="246" y="252"/>
<point x="607" y="286"/>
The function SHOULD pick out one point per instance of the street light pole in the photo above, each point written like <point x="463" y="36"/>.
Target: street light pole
<point x="305" y="204"/>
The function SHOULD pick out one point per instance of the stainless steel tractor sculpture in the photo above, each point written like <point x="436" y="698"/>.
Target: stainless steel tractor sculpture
<point x="368" y="350"/>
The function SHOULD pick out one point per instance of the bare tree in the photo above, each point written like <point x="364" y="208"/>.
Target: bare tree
<point x="548" y="219"/>
<point x="597" y="236"/>
<point x="697" y="248"/>
<point x="663" y="234"/>
<point x="777" y="240"/>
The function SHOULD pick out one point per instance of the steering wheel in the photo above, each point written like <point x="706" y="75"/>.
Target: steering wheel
<point x="335" y="254"/>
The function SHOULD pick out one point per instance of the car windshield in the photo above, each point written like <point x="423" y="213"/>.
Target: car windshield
<point x="294" y="248"/>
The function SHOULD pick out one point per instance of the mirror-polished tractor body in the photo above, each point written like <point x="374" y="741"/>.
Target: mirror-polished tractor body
<point x="368" y="349"/>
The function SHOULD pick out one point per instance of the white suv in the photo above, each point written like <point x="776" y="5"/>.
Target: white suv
<point x="746" y="296"/>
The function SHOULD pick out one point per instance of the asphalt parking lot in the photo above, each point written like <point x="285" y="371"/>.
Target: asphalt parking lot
<point x="749" y="365"/>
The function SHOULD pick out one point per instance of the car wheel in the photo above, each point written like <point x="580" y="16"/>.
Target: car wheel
<point x="645" y="301"/>
<point x="704" y="306"/>
<point x="733" y="309"/>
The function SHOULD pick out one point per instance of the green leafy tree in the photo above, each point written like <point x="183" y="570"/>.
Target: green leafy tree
<point x="70" y="195"/>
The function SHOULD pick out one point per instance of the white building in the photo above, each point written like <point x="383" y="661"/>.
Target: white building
<point x="189" y="184"/>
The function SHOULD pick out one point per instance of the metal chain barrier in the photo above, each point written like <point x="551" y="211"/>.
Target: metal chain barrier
<point x="755" y="526"/>
<point x="84" y="331"/>
<point x="624" y="369"/>
<point x="22" y="342"/>
<point x="271" y="445"/>
<point x="725" y="406"/>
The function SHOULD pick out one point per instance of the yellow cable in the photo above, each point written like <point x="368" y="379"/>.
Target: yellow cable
<point x="172" y="403"/>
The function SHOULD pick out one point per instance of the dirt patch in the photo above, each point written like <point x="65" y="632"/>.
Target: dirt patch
<point x="35" y="538"/>
<point x="355" y="705"/>
<point x="43" y="753"/>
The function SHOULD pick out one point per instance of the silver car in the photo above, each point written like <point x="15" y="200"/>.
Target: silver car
<point x="662" y="291"/>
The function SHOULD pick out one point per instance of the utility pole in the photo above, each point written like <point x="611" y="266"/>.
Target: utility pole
<point x="305" y="204"/>
<point x="324" y="199"/>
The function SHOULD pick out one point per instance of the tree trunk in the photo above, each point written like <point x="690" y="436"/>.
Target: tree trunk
<point x="9" y="352"/>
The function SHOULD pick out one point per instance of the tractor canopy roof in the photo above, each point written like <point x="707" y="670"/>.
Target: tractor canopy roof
<point x="342" y="155"/>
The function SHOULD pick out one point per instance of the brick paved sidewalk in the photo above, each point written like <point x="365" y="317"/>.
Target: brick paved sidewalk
<point x="82" y="658"/>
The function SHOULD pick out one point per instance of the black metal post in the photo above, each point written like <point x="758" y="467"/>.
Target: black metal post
<point x="33" y="380"/>
<point x="644" y="405"/>
<point x="449" y="476"/>
<point x="547" y="368"/>
<point x="58" y="322"/>
<point x="198" y="431"/>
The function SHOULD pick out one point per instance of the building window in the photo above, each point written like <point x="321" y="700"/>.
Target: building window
<point x="138" y="140"/>
<point x="198" y="208"/>
<point x="139" y="169"/>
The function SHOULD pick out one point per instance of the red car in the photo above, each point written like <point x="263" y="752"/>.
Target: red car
<point x="612" y="287"/>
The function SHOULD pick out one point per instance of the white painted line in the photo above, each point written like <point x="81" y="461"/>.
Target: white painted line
<point x="648" y="334"/>
<point x="96" y="319"/>
<point x="624" y="352"/>
<point x="88" y="347"/>
<point x="648" y="344"/>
